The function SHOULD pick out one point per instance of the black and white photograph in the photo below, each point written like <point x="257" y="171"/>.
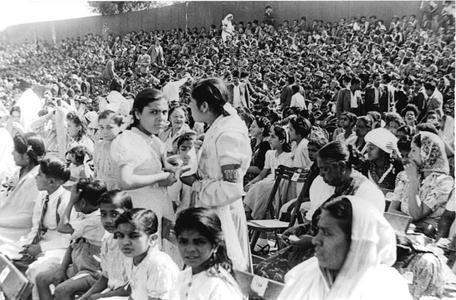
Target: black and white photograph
<point x="227" y="150"/>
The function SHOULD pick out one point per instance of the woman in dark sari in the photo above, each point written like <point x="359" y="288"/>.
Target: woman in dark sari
<point x="337" y="177"/>
<point x="259" y="130"/>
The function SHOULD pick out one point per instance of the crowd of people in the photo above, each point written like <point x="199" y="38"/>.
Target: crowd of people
<point x="126" y="159"/>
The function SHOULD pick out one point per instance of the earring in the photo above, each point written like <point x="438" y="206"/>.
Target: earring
<point x="212" y="258"/>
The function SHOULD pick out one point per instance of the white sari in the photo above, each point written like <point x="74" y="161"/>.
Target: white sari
<point x="366" y="272"/>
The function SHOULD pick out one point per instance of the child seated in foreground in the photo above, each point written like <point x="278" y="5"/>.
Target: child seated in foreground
<point x="114" y="269"/>
<point x="80" y="267"/>
<point x="153" y="273"/>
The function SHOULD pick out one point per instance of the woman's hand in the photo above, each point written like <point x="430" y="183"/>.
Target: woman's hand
<point x="170" y="180"/>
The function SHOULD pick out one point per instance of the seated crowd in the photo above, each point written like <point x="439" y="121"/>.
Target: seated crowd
<point x="131" y="165"/>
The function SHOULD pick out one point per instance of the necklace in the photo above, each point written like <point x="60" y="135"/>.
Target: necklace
<point x="375" y="176"/>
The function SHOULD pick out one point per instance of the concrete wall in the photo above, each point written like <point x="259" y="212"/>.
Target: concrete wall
<point x="201" y="13"/>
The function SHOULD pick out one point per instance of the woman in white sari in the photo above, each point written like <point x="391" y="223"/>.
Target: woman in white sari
<point x="355" y="249"/>
<point x="227" y="27"/>
<point x="18" y="196"/>
<point x="223" y="161"/>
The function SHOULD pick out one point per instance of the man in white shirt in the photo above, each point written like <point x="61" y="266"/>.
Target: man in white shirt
<point x="238" y="92"/>
<point x="297" y="100"/>
<point x="354" y="93"/>
<point x="435" y="98"/>
<point x="115" y="101"/>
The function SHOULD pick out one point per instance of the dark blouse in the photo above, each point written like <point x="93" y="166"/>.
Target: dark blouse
<point x="389" y="182"/>
<point x="259" y="154"/>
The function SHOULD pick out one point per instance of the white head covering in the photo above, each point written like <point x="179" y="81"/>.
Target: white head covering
<point x="366" y="272"/>
<point x="227" y="16"/>
<point x="382" y="138"/>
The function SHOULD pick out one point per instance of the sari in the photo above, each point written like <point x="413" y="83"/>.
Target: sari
<point x="366" y="272"/>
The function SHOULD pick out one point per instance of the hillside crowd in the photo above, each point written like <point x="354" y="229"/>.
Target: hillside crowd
<point x="135" y="164"/>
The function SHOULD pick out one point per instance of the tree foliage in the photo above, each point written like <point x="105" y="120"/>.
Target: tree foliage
<point x="108" y="8"/>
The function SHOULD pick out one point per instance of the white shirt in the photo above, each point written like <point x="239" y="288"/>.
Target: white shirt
<point x="30" y="105"/>
<point x="88" y="226"/>
<point x="236" y="96"/>
<point x="376" y="95"/>
<point x="301" y="155"/>
<point x="353" y="99"/>
<point x="273" y="161"/>
<point x="7" y="165"/>
<point x="114" y="265"/>
<point x="207" y="286"/>
<point x="347" y="141"/>
<point x="154" y="277"/>
<point x="58" y="201"/>
<point x="320" y="191"/>
<point x="297" y="100"/>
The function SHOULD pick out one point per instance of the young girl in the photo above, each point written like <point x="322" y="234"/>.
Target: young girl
<point x="259" y="189"/>
<point x="109" y="126"/>
<point x="76" y="130"/>
<point x="78" y="158"/>
<point x="114" y="268"/>
<point x="181" y="194"/>
<point x="299" y="129"/>
<point x="209" y="274"/>
<point x="153" y="273"/>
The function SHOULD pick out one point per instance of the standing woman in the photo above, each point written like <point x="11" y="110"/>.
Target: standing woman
<point x="18" y="199"/>
<point x="223" y="161"/>
<point x="140" y="155"/>
<point x="227" y="27"/>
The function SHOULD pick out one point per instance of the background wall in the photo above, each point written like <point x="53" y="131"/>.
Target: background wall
<point x="199" y="13"/>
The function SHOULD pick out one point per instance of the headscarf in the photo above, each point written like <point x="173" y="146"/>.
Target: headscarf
<point x="383" y="139"/>
<point x="366" y="272"/>
<point x="226" y="21"/>
<point x="433" y="154"/>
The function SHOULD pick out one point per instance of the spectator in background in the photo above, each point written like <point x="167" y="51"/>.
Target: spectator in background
<point x="373" y="94"/>
<point x="143" y="62"/>
<point x="297" y="100"/>
<point x="227" y="28"/>
<point x="344" y="97"/>
<point x="269" y="16"/>
<point x="114" y="99"/>
<point x="156" y="54"/>
<point x="287" y="92"/>
<point x="239" y="95"/>
<point x="434" y="99"/>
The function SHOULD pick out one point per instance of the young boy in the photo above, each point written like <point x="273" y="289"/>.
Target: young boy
<point x="45" y="246"/>
<point x="114" y="265"/>
<point x="86" y="234"/>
